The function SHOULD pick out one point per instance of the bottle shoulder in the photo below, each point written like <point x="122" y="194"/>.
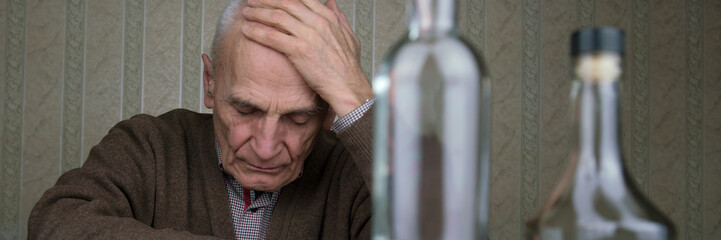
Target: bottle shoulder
<point x="446" y="51"/>
<point x="592" y="201"/>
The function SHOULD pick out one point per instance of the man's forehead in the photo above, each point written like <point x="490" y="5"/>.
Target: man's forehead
<point x="305" y="106"/>
<point x="255" y="61"/>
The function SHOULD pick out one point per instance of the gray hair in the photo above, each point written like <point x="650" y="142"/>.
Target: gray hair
<point x="227" y="17"/>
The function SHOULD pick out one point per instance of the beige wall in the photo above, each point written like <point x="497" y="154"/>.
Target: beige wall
<point x="70" y="69"/>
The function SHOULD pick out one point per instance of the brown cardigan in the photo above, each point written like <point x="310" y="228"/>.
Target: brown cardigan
<point x="158" y="177"/>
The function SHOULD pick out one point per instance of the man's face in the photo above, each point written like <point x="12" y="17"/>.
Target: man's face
<point x="265" y="115"/>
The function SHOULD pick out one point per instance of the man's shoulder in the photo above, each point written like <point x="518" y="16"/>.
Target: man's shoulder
<point x="185" y="117"/>
<point x="175" y="123"/>
<point x="182" y="118"/>
<point x="328" y="147"/>
<point x="330" y="157"/>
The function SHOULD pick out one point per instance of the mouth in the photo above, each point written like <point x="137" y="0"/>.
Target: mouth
<point x="256" y="168"/>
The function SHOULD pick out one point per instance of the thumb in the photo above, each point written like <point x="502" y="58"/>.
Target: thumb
<point x="329" y="118"/>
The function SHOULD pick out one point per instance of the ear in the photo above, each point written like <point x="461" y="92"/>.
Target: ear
<point x="208" y="82"/>
<point x="329" y="119"/>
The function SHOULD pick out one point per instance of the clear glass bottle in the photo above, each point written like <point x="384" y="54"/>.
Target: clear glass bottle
<point x="431" y="169"/>
<point x="595" y="198"/>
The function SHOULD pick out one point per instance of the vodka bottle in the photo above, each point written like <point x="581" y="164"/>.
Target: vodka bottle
<point x="595" y="198"/>
<point x="431" y="169"/>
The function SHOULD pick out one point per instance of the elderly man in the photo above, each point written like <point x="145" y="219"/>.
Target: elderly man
<point x="263" y="165"/>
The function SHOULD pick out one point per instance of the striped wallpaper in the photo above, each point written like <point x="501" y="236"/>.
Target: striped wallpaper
<point x="71" y="69"/>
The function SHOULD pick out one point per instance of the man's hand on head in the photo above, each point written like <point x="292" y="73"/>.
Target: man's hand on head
<point x="320" y="43"/>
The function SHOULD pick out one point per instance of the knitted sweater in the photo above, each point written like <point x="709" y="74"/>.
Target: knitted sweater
<point x="158" y="177"/>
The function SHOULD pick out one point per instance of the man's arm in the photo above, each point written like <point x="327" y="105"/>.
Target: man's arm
<point x="111" y="197"/>
<point x="357" y="137"/>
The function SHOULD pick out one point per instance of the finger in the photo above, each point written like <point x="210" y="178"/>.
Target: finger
<point x="348" y="33"/>
<point x="344" y="21"/>
<point x="348" y="41"/>
<point x="279" y="19"/>
<point x="356" y="40"/>
<point x="318" y="7"/>
<point x="310" y="12"/>
<point x="333" y="5"/>
<point x="268" y="36"/>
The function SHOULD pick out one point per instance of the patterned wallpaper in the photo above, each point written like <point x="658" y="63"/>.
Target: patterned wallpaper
<point x="71" y="69"/>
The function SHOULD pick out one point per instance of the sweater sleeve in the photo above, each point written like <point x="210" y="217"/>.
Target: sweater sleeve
<point x="112" y="196"/>
<point x="361" y="226"/>
<point x="358" y="140"/>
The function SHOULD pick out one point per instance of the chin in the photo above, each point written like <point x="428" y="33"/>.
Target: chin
<point x="262" y="182"/>
<point x="267" y="188"/>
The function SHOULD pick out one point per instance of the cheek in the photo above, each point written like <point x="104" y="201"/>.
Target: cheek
<point x="235" y="131"/>
<point x="238" y="135"/>
<point x="301" y="141"/>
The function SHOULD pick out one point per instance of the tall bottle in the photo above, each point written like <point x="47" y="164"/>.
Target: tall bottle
<point x="595" y="199"/>
<point x="431" y="169"/>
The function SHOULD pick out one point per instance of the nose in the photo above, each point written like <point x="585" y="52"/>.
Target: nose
<point x="266" y="142"/>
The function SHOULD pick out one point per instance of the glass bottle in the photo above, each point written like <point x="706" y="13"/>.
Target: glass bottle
<point x="595" y="198"/>
<point x="431" y="169"/>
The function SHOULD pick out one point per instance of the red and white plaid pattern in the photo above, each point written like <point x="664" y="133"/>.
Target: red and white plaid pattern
<point x="251" y="210"/>
<point x="350" y="118"/>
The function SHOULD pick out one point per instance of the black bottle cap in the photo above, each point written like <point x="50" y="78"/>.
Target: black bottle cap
<point x="597" y="39"/>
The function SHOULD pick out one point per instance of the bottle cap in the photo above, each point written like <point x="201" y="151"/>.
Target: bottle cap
<point x="597" y="39"/>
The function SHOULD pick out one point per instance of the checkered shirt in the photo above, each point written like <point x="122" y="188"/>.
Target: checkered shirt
<point x="251" y="210"/>
<point x="348" y="120"/>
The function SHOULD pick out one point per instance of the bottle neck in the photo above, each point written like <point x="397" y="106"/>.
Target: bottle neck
<point x="432" y="18"/>
<point x="596" y="113"/>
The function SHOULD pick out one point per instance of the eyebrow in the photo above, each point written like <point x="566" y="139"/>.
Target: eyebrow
<point x="315" y="109"/>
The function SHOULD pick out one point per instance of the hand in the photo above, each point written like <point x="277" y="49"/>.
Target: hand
<point x="320" y="43"/>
